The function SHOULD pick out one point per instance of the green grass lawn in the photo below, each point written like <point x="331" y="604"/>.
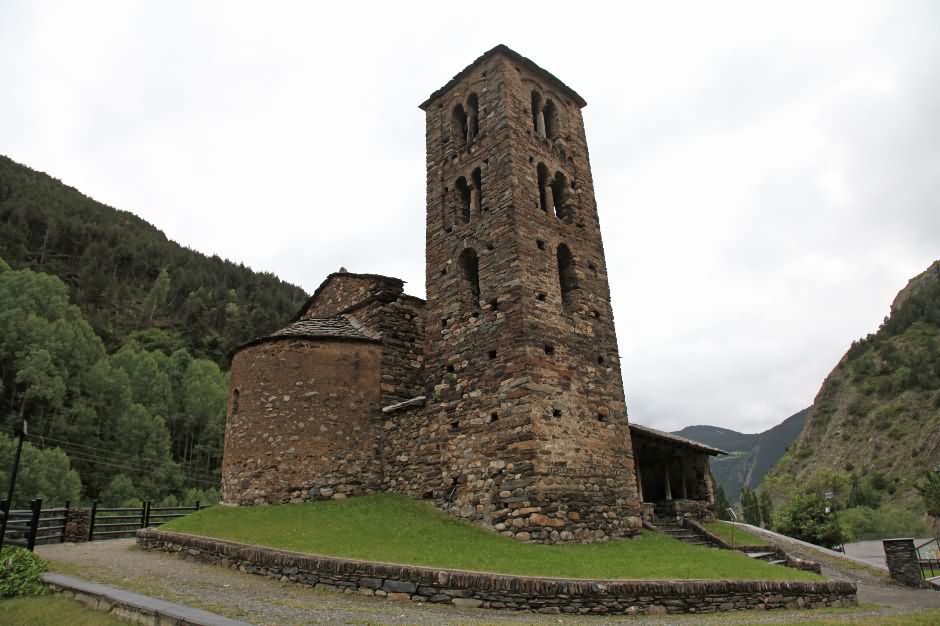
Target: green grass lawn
<point x="52" y="611"/>
<point x="742" y="537"/>
<point x="396" y="529"/>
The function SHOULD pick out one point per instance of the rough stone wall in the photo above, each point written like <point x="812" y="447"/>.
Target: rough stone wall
<point x="527" y="409"/>
<point x="903" y="566"/>
<point x="400" y="322"/>
<point x="302" y="422"/>
<point x="342" y="290"/>
<point x="495" y="591"/>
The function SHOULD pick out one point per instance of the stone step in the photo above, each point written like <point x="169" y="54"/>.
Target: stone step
<point x="763" y="556"/>
<point x="778" y="562"/>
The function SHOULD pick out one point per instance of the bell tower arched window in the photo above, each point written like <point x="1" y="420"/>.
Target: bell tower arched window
<point x="550" y="113"/>
<point x="538" y="117"/>
<point x="473" y="117"/>
<point x="470" y="271"/>
<point x="476" y="191"/>
<point x="459" y="122"/>
<point x="463" y="198"/>
<point x="567" y="277"/>
<point x="546" y="202"/>
<point x="559" y="187"/>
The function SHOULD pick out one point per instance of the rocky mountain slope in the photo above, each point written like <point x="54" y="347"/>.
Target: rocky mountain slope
<point x="877" y="415"/>
<point x="750" y="456"/>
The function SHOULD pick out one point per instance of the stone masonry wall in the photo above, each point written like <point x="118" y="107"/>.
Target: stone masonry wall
<point x="493" y="591"/>
<point x="342" y="290"/>
<point x="399" y="320"/>
<point x="304" y="424"/>
<point x="526" y="412"/>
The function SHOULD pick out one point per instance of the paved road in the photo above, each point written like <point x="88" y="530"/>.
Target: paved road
<point x="266" y="601"/>
<point x="872" y="551"/>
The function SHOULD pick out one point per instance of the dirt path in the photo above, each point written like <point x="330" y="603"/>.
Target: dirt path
<point x="266" y="601"/>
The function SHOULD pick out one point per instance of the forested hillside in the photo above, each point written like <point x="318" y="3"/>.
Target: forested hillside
<point x="873" y="431"/>
<point x="113" y="341"/>
<point x="127" y="277"/>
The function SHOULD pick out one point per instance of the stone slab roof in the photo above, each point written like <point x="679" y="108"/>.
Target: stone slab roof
<point x="517" y="58"/>
<point x="339" y="327"/>
<point x="674" y="439"/>
<point x="336" y="327"/>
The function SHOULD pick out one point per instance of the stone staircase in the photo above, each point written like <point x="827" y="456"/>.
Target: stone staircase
<point x="672" y="527"/>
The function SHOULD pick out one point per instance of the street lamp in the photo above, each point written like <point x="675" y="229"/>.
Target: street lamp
<point x="20" y="432"/>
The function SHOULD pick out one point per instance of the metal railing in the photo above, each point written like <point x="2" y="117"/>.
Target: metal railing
<point x="928" y="557"/>
<point x="34" y="526"/>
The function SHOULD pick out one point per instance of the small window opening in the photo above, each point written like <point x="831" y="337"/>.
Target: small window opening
<point x="463" y="198"/>
<point x="559" y="187"/>
<point x="600" y="360"/>
<point x="494" y="417"/>
<point x="546" y="201"/>
<point x="444" y="322"/>
<point x="235" y="397"/>
<point x="443" y="271"/>
<point x="567" y="277"/>
<point x="473" y="117"/>
<point x="460" y="125"/>
<point x="538" y="116"/>
<point x="455" y="426"/>
<point x="550" y="114"/>
<point x="492" y="354"/>
<point x="540" y="297"/>
<point x="601" y="417"/>
<point x="556" y="412"/>
<point x="596" y="314"/>
<point x="540" y="244"/>
<point x="450" y="369"/>
<point x="476" y="191"/>
<point x="549" y="349"/>
<point x="470" y="263"/>
<point x="494" y="304"/>
<point x="592" y="267"/>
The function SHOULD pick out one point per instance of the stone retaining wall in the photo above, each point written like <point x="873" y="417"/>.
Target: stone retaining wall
<point x="474" y="589"/>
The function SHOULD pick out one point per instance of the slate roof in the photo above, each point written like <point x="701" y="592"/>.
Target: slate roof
<point x="676" y="439"/>
<point x="517" y="58"/>
<point x="337" y="327"/>
<point x="343" y="327"/>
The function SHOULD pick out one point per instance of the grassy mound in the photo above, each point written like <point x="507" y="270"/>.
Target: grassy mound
<point x="396" y="529"/>
<point x="52" y="611"/>
<point x="738" y="534"/>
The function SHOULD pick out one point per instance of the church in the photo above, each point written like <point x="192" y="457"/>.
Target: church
<point x="500" y="396"/>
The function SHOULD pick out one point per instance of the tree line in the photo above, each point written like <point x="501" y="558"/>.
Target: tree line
<point x="142" y="421"/>
<point x="125" y="275"/>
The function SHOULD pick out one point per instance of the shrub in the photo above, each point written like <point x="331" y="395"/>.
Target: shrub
<point x="20" y="573"/>
<point x="805" y="518"/>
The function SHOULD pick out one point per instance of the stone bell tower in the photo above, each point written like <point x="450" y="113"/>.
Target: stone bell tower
<point x="521" y="353"/>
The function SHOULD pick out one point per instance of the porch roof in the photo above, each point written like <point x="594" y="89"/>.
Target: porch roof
<point x="646" y="431"/>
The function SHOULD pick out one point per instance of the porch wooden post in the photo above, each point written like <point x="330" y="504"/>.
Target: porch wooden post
<point x="668" y="484"/>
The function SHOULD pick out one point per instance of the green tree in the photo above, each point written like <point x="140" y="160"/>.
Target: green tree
<point x="121" y="491"/>
<point x="930" y="492"/>
<point x="721" y="504"/>
<point x="750" y="507"/>
<point x="808" y="517"/>
<point x="766" y="508"/>
<point x="157" y="295"/>
<point x="43" y="473"/>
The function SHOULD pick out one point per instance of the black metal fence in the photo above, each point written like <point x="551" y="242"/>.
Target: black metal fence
<point x="36" y="526"/>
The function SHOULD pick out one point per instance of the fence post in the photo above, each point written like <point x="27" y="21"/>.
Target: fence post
<point x="4" y="512"/>
<point x="35" y="507"/>
<point x="91" y="524"/>
<point x="65" y="521"/>
<point x="197" y="505"/>
<point x="146" y="520"/>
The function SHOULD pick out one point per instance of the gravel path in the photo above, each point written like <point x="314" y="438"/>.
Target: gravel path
<point x="266" y="601"/>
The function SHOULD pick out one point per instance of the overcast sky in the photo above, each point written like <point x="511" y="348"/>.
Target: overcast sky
<point x="767" y="177"/>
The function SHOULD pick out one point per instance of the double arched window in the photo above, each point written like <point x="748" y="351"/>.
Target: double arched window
<point x="469" y="195"/>
<point x="466" y="120"/>
<point x="544" y="116"/>
<point x="553" y="193"/>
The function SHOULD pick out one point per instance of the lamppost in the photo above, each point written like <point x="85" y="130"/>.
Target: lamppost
<point x="20" y="432"/>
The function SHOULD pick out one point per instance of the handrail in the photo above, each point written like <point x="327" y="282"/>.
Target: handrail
<point x="934" y="540"/>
